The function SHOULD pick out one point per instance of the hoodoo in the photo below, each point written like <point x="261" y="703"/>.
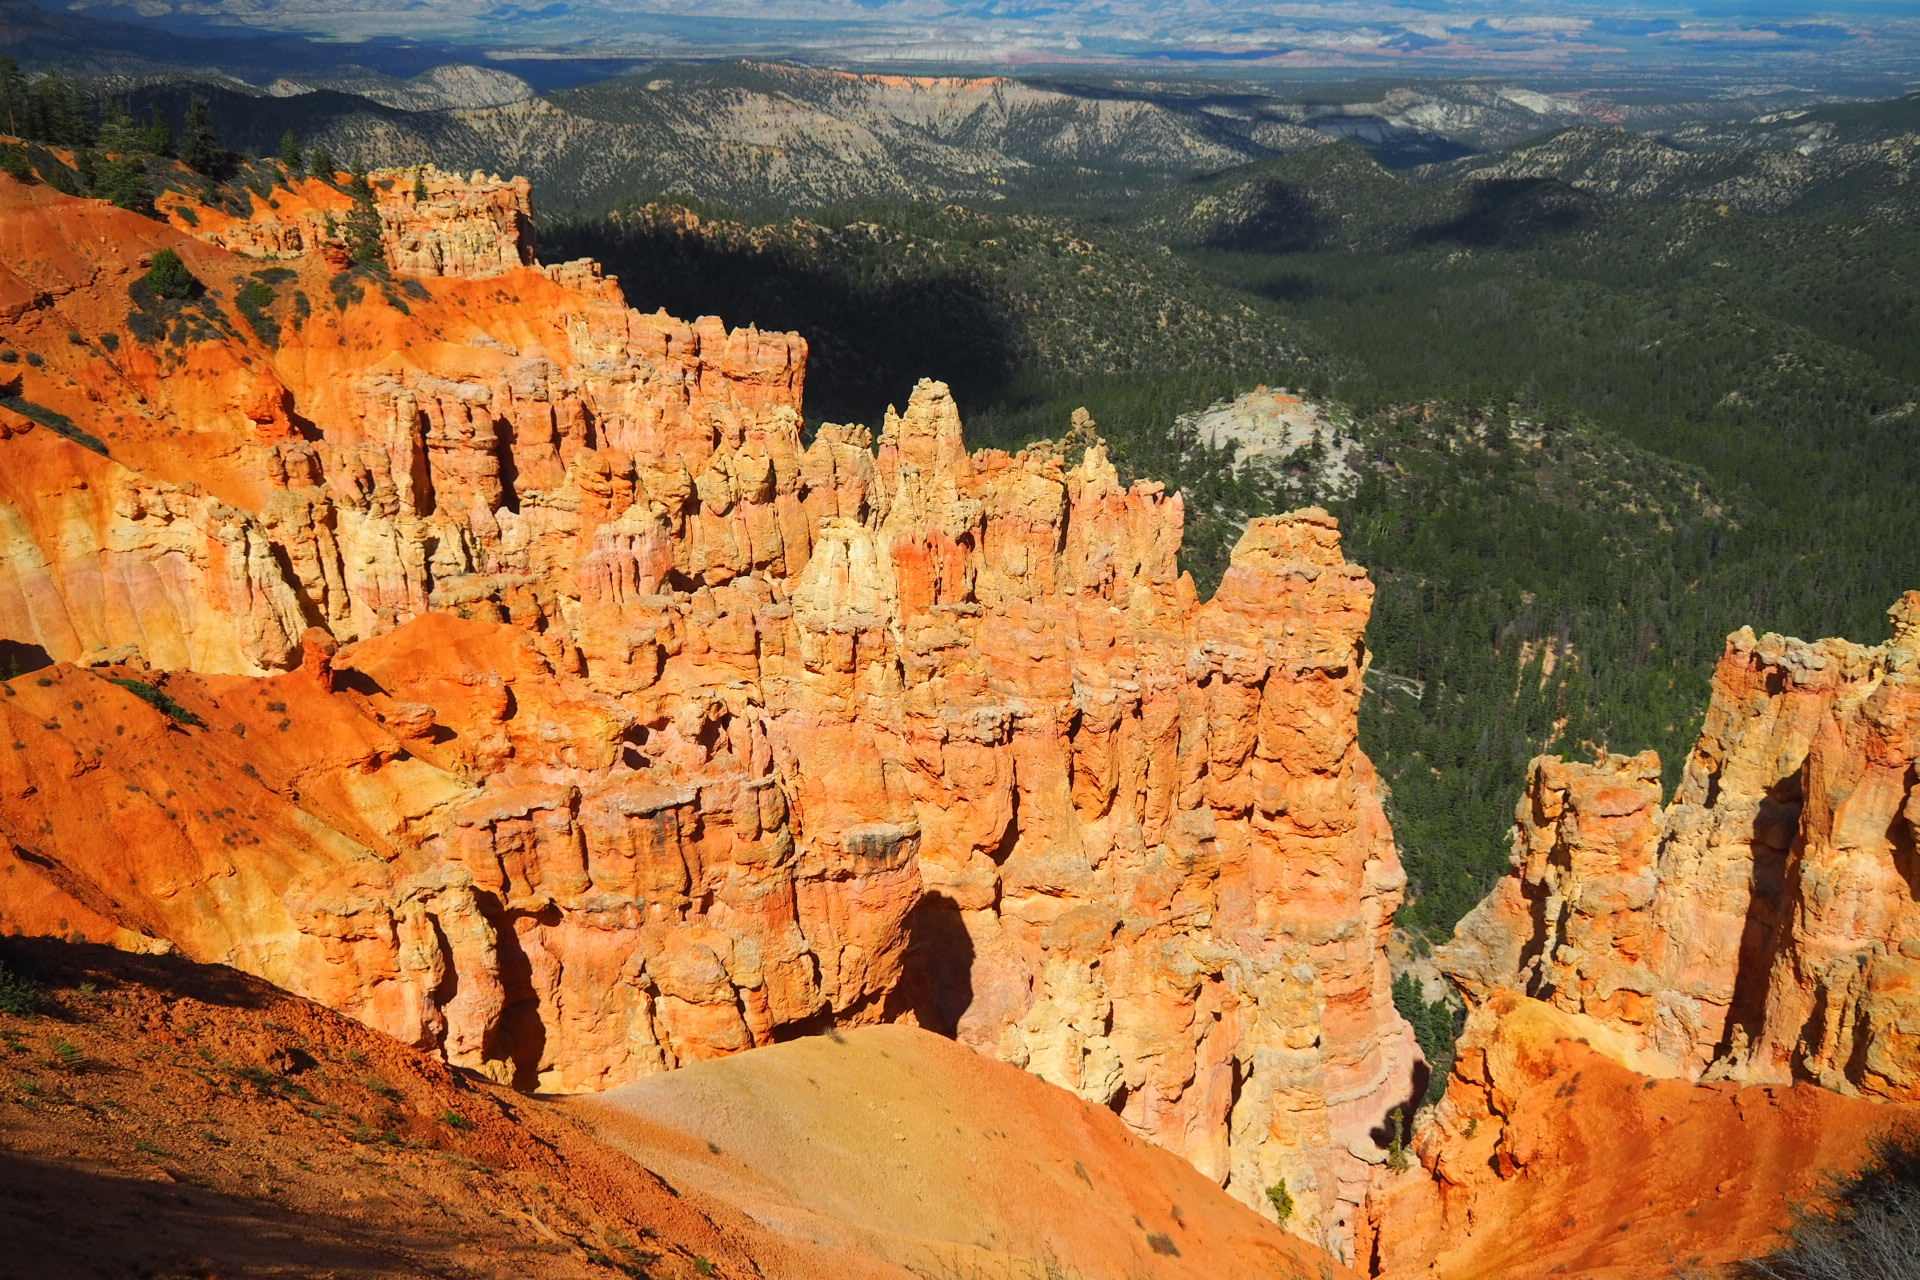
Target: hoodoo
<point x="1763" y="927"/>
<point x="459" y="648"/>
<point x="1680" y="1017"/>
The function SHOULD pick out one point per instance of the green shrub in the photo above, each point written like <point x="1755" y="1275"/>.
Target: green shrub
<point x="1864" y="1224"/>
<point x="19" y="996"/>
<point x="159" y="700"/>
<point x="54" y="172"/>
<point x="1281" y="1199"/>
<point x="252" y="302"/>
<point x="67" y="1056"/>
<point x="169" y="277"/>
<point x="54" y="421"/>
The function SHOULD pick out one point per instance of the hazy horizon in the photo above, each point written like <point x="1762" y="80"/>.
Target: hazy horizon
<point x="1877" y="41"/>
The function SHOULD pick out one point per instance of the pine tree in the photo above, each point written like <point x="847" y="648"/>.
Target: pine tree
<point x="157" y="137"/>
<point x="76" y="114"/>
<point x="13" y="97"/>
<point x="198" y="146"/>
<point x="87" y="165"/>
<point x="122" y="180"/>
<point x="290" y="154"/>
<point x="320" y="164"/>
<point x="57" y="111"/>
<point x="169" y="277"/>
<point x="117" y="133"/>
<point x="363" y="224"/>
<point x="419" y="186"/>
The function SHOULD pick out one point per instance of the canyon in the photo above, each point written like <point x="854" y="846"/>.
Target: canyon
<point x="497" y="666"/>
<point x="526" y="678"/>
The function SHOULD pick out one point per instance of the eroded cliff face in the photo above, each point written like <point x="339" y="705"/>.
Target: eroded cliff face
<point x="1765" y="926"/>
<point x="563" y="710"/>
<point x="431" y="223"/>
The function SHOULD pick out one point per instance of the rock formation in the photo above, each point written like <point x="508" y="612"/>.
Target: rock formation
<point x="204" y="1122"/>
<point x="1681" y="1017"/>
<point x="507" y="669"/>
<point x="1765" y="926"/>
<point x="431" y="223"/>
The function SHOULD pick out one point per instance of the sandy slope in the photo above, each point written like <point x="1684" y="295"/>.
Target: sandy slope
<point x="894" y="1142"/>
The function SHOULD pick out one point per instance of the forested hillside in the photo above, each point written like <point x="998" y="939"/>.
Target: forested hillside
<point x="1771" y="365"/>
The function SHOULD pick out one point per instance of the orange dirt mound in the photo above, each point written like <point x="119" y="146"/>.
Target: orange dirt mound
<point x="166" y="1119"/>
<point x="898" y="1143"/>
<point x="1548" y="1158"/>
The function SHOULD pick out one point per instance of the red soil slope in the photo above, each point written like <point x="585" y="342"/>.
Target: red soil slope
<point x="897" y="1143"/>
<point x="1549" y="1158"/>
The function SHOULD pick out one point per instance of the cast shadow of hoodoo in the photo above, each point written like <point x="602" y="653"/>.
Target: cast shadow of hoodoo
<point x="938" y="979"/>
<point x="1384" y="1134"/>
<point x="869" y="336"/>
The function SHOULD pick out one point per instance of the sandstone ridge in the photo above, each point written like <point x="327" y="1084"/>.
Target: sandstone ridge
<point x="1679" y="1017"/>
<point x="431" y="223"/>
<point x="509" y="670"/>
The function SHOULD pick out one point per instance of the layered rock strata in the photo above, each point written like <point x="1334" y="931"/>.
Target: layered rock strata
<point x="505" y="668"/>
<point x="1765" y="926"/>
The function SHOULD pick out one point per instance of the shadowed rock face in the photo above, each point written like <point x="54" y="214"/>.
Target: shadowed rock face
<point x="1765" y="926"/>
<point x="560" y="711"/>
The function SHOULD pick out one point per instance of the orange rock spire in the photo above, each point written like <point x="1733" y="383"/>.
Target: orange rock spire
<point x="1680" y="1018"/>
